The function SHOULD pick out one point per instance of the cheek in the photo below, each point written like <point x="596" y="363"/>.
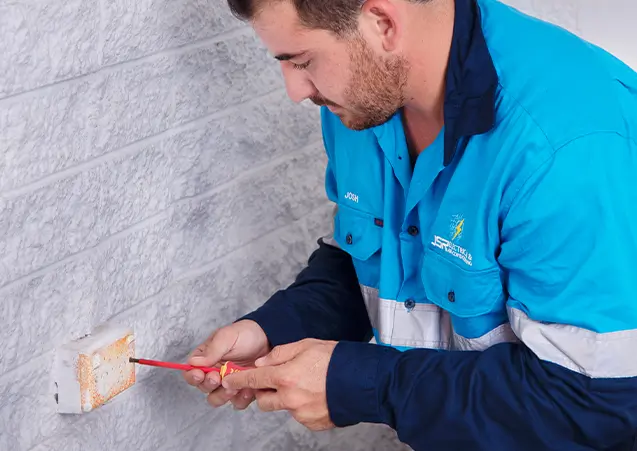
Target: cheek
<point x="330" y="83"/>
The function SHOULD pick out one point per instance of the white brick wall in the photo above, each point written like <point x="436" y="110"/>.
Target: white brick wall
<point x="152" y="170"/>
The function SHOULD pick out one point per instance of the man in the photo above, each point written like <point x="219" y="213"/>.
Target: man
<point x="483" y="167"/>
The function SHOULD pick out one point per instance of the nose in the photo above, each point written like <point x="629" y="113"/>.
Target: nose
<point x="297" y="84"/>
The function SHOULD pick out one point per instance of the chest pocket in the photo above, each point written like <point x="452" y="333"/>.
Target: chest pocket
<point x="358" y="234"/>
<point x="465" y="294"/>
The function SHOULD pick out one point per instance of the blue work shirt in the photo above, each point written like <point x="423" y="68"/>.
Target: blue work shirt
<point x="498" y="274"/>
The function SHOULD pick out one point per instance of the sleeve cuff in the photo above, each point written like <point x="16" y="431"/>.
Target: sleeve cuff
<point x="353" y="379"/>
<point x="280" y="325"/>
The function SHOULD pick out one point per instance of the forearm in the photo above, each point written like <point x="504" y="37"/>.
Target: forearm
<point x="324" y="302"/>
<point x="504" y="398"/>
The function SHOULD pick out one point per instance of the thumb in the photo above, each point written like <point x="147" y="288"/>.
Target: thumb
<point x="212" y="350"/>
<point x="280" y="354"/>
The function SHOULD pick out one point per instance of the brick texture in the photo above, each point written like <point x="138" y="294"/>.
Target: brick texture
<point x="153" y="172"/>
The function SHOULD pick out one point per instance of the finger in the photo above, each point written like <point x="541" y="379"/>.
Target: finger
<point x="281" y="354"/>
<point x="270" y="401"/>
<point x="194" y="377"/>
<point x="243" y="399"/>
<point x="210" y="383"/>
<point x="256" y="379"/>
<point x="212" y="351"/>
<point x="221" y="396"/>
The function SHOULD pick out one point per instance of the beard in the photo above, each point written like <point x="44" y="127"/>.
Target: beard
<point x="375" y="90"/>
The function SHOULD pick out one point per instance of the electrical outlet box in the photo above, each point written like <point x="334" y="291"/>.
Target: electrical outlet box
<point x="92" y="370"/>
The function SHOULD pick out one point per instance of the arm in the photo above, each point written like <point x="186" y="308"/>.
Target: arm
<point x="569" y="252"/>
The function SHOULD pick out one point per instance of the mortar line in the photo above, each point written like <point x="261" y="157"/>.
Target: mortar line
<point x="208" y="266"/>
<point x="240" y="30"/>
<point x="31" y="361"/>
<point x="110" y="68"/>
<point x="140" y="225"/>
<point x="131" y="148"/>
<point x="248" y="173"/>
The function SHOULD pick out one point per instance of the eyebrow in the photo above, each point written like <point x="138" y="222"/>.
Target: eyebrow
<point x="288" y="56"/>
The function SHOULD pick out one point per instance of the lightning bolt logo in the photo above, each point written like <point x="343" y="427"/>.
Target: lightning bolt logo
<point x="458" y="229"/>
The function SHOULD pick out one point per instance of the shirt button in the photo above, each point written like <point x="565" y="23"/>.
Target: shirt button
<point x="410" y="304"/>
<point x="451" y="296"/>
<point x="412" y="230"/>
<point x="348" y="238"/>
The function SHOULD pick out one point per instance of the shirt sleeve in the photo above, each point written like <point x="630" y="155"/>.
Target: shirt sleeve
<point x="569" y="242"/>
<point x="325" y="300"/>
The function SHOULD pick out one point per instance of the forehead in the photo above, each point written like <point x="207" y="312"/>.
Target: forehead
<point x="277" y="25"/>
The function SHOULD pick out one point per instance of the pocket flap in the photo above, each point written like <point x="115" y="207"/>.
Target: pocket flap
<point x="357" y="233"/>
<point x="461" y="292"/>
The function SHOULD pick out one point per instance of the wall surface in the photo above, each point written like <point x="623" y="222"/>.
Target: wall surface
<point x="152" y="171"/>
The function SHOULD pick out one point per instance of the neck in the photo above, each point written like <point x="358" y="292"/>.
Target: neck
<point x="429" y="56"/>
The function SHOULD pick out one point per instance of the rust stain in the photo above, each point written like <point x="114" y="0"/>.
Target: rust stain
<point x="106" y="373"/>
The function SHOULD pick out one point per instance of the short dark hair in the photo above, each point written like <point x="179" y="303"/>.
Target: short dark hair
<point x="338" y="16"/>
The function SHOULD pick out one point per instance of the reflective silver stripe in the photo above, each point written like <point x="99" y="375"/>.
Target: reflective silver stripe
<point x="501" y="334"/>
<point x="370" y="296"/>
<point x="426" y="326"/>
<point x="590" y="353"/>
<point x="423" y="326"/>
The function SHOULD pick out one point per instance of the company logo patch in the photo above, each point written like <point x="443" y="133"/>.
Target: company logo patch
<point x="456" y="229"/>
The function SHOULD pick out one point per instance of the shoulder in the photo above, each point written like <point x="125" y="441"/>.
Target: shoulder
<point x="567" y="87"/>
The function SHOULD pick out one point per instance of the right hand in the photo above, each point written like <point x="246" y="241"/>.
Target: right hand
<point x="242" y="343"/>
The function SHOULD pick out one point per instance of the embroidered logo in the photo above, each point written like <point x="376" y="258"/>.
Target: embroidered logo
<point x="456" y="229"/>
<point x="351" y="196"/>
<point x="457" y="224"/>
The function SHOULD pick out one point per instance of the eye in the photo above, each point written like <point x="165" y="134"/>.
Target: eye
<point x="301" y="66"/>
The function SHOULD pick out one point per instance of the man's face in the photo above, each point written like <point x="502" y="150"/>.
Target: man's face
<point x="360" y="86"/>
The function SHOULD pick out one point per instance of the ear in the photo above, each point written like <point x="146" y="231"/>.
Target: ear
<point x="381" y="23"/>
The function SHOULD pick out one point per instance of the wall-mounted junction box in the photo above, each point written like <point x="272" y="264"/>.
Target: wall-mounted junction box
<point x="90" y="371"/>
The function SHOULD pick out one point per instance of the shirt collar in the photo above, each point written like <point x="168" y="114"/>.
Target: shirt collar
<point x="471" y="81"/>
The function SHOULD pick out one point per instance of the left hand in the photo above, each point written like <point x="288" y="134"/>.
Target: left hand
<point x="291" y="377"/>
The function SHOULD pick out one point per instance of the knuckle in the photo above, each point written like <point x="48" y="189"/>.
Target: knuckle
<point x="276" y="353"/>
<point x="252" y="381"/>
<point x="286" y="380"/>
